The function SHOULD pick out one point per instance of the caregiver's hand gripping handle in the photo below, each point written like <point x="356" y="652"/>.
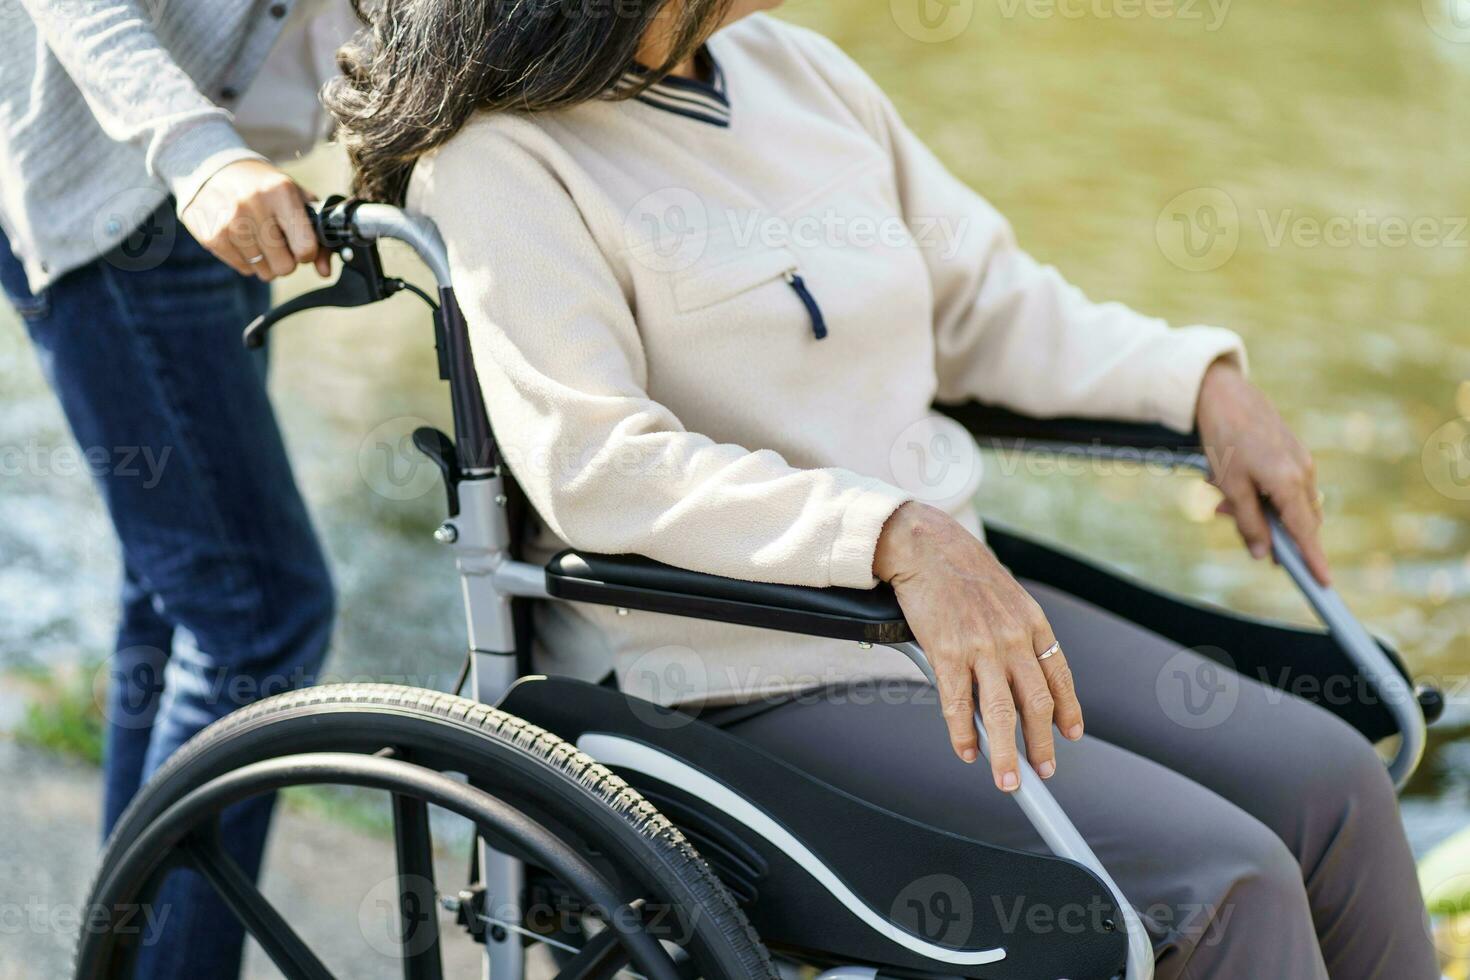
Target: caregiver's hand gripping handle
<point x="253" y="217"/>
<point x="984" y="636"/>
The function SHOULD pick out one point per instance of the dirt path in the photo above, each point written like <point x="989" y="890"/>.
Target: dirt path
<point x="325" y="878"/>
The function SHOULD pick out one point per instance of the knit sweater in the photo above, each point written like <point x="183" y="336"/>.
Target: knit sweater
<point x="710" y="323"/>
<point x="108" y="107"/>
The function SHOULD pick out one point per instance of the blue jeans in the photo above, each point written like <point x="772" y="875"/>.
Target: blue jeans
<point x="226" y="596"/>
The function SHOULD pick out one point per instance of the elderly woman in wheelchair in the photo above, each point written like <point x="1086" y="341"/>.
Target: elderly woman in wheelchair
<point x="689" y="267"/>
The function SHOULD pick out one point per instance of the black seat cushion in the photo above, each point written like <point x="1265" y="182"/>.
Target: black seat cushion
<point x="951" y="891"/>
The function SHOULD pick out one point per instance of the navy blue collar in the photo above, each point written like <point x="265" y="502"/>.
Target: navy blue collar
<point x="703" y="101"/>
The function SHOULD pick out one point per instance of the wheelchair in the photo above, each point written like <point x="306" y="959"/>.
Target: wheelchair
<point x="674" y="849"/>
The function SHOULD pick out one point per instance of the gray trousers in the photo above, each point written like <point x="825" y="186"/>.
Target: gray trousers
<point x="1257" y="835"/>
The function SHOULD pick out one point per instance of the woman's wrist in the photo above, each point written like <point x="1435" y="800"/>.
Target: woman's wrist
<point x="1223" y="373"/>
<point x="903" y="534"/>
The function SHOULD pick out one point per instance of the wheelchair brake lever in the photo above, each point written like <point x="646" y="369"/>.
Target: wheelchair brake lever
<point x="361" y="281"/>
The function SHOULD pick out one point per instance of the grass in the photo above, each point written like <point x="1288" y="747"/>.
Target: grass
<point x="61" y="713"/>
<point x="360" y="810"/>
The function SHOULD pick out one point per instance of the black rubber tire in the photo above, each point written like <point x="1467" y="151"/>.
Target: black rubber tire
<point x="525" y="766"/>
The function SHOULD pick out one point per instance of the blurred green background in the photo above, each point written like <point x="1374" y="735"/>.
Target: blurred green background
<point x="1296" y="170"/>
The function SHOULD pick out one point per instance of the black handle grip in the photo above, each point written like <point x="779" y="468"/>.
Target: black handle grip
<point x="361" y="281"/>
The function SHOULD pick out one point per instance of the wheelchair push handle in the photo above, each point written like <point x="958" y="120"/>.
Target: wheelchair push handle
<point x="351" y="230"/>
<point x="361" y="281"/>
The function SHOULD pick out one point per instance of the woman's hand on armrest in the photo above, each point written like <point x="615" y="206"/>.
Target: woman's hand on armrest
<point x="979" y="629"/>
<point x="1253" y="455"/>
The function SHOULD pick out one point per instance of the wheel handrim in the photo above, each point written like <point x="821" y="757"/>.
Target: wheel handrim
<point x="185" y="828"/>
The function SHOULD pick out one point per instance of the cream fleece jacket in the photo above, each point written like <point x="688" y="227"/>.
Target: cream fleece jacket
<point x="635" y="276"/>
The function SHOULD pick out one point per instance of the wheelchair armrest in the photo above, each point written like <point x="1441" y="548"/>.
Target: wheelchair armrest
<point x="1000" y="427"/>
<point x="865" y="615"/>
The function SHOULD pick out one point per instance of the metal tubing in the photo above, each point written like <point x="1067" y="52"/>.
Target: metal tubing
<point x="521" y="578"/>
<point x="1374" y="665"/>
<point x="482" y="535"/>
<point x="1057" y="830"/>
<point x="503" y="878"/>
<point x="472" y="433"/>
<point x="374" y="221"/>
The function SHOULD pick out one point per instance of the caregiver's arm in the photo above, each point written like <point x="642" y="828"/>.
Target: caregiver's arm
<point x="229" y="197"/>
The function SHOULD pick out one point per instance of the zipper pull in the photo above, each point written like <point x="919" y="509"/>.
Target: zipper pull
<point x="798" y="285"/>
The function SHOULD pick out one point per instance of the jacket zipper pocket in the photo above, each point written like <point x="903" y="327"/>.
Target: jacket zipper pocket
<point x="798" y="286"/>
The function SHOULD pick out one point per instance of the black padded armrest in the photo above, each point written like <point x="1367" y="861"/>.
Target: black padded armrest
<point x="865" y="615"/>
<point x="1002" y="427"/>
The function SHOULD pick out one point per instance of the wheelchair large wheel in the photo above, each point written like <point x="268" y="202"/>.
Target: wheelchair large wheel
<point x="654" y="905"/>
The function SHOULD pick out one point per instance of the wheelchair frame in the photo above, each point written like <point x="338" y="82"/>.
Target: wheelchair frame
<point x="479" y="533"/>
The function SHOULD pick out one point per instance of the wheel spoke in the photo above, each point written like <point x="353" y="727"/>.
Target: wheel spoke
<point x="417" y="901"/>
<point x="280" y="942"/>
<point x="599" y="958"/>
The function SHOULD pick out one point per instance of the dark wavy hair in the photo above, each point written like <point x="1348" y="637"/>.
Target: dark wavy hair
<point x="419" y="68"/>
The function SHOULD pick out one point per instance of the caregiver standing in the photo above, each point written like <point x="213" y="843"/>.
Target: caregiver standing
<point x="142" y="222"/>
